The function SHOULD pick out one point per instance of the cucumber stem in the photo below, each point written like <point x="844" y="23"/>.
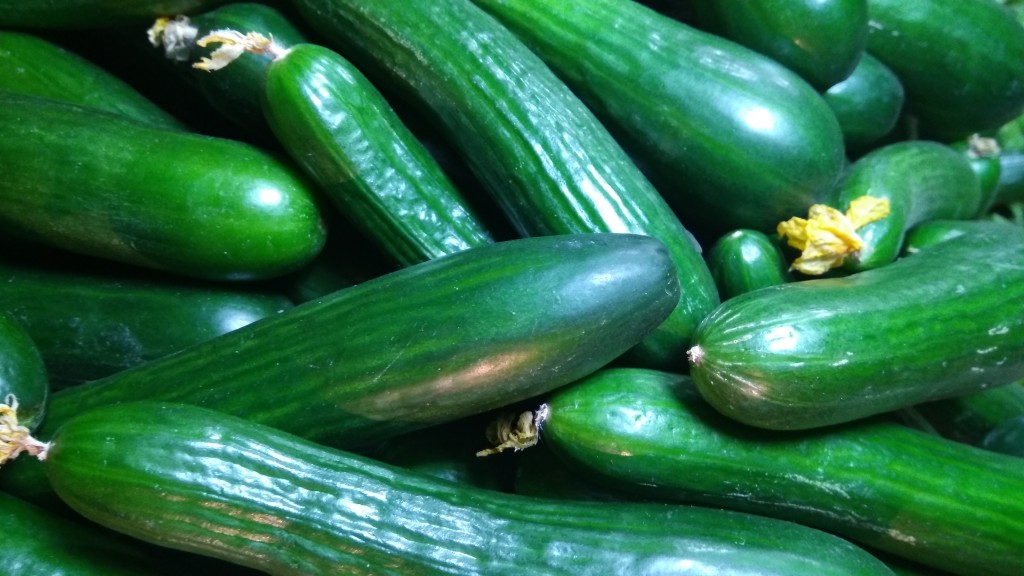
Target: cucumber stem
<point x="177" y="37"/>
<point x="16" y="438"/>
<point x="515" y="432"/>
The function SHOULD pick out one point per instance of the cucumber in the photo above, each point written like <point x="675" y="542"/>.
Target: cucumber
<point x="99" y="184"/>
<point x="745" y="260"/>
<point x="551" y="166"/>
<point x="867" y="104"/>
<point x="935" y="231"/>
<point x="451" y="337"/>
<point x="820" y="40"/>
<point x="1006" y="438"/>
<point x="940" y="323"/>
<point x="878" y="483"/>
<point x="971" y="417"/>
<point x="200" y="480"/>
<point x="89" y="325"/>
<point x="93" y="14"/>
<point x="23" y="377"/>
<point x="958" y="60"/>
<point x="1010" y="187"/>
<point x="33" y="65"/>
<point x="731" y="138"/>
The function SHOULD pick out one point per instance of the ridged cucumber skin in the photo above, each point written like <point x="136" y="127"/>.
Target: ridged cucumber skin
<point x="93" y="14"/>
<point x="731" y="138"/>
<point x="454" y="336"/>
<point x="344" y="134"/>
<point x="877" y="483"/>
<point x="99" y="184"/>
<point x="961" y="62"/>
<point x="938" y="324"/>
<point x="820" y="40"/>
<point x="35" y="66"/>
<point x="22" y="372"/>
<point x="745" y="260"/>
<point x="550" y="165"/>
<point x="922" y="180"/>
<point x="200" y="480"/>
<point x="867" y="104"/>
<point x="88" y="325"/>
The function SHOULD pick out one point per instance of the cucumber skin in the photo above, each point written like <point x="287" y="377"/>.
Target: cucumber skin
<point x="824" y="53"/>
<point x="479" y="329"/>
<point x="692" y="107"/>
<point x="200" y="480"/>
<point x="93" y="14"/>
<point x="922" y="180"/>
<point x="961" y="62"/>
<point x="817" y="352"/>
<point x="867" y="104"/>
<point x="198" y="206"/>
<point x="550" y="165"/>
<point x="35" y="66"/>
<point x="22" y="371"/>
<point x="89" y="325"/>
<point x="878" y="483"/>
<point x="745" y="260"/>
<point x="376" y="173"/>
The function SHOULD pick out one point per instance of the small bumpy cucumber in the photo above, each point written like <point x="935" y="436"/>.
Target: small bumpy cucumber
<point x="745" y="260"/>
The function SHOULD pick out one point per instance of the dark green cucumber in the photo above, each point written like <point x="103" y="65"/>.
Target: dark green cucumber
<point x="820" y="40"/>
<point x="454" y="336"/>
<point x="732" y="139"/>
<point x="93" y="14"/>
<point x="934" y="231"/>
<point x="99" y="184"/>
<point x="878" y="483"/>
<point x="961" y="62"/>
<point x="745" y="260"/>
<point x="971" y="417"/>
<point x="203" y="481"/>
<point x="549" y="163"/>
<point x="922" y="180"/>
<point x="23" y="377"/>
<point x="867" y="104"/>
<point x="32" y="65"/>
<point x="940" y="323"/>
<point x="1010" y="187"/>
<point x="1006" y="438"/>
<point x="88" y="325"/>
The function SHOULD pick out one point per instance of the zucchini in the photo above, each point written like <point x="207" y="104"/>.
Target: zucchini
<point x="23" y="377"/>
<point x="99" y="184"/>
<point x="88" y="325"/>
<point x="868" y="104"/>
<point x="745" y="260"/>
<point x="822" y="40"/>
<point x="878" y="483"/>
<point x="451" y="337"/>
<point x="731" y="138"/>
<point x="551" y="166"/>
<point x="32" y="65"/>
<point x="958" y="60"/>
<point x="200" y="480"/>
<point x="940" y="323"/>
<point x="93" y="14"/>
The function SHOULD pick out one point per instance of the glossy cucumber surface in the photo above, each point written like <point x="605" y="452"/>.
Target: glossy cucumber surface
<point x="880" y="484"/>
<point x="549" y="163"/>
<point x="867" y="104"/>
<point x="938" y="324"/>
<point x="731" y="138"/>
<point x="745" y="260"/>
<point x="200" y="480"/>
<point x="23" y="375"/>
<point x="99" y="184"/>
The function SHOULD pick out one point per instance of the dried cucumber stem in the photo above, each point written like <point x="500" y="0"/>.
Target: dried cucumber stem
<point x="15" y="438"/>
<point x="233" y="45"/>
<point x="177" y="37"/>
<point x="979" y="146"/>
<point x="828" y="236"/>
<point x="515" y="432"/>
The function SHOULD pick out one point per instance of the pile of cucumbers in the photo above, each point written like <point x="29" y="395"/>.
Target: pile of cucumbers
<point x="496" y="287"/>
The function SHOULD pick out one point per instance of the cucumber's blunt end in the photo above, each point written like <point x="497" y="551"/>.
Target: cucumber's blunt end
<point x="16" y="438"/>
<point x="695" y="355"/>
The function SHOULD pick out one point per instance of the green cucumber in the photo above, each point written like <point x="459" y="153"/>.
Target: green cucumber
<point x="32" y="65"/>
<point x="200" y="480"/>
<point x="960" y="62"/>
<point x="878" y="483"/>
<point x="552" y="167"/>
<point x="99" y="184"/>
<point x="23" y="377"/>
<point x="1010" y="187"/>
<point x="745" y="260"/>
<point x="821" y="40"/>
<point x="93" y="14"/>
<point x="1006" y="438"/>
<point x="935" y="231"/>
<point x="940" y="323"/>
<point x="89" y="325"/>
<point x="867" y="104"/>
<point x="971" y="417"/>
<point x="451" y="337"/>
<point x="732" y="139"/>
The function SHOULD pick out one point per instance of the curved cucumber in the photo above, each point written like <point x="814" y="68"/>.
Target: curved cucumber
<point x="732" y="139"/>
<point x="99" y="184"/>
<point x="745" y="260"/>
<point x="867" y="103"/>
<point x="203" y="481"/>
<point x="880" y="484"/>
<point x="940" y="323"/>
<point x="451" y="337"/>
<point x="820" y="40"/>
<point x="549" y="163"/>
<point x="23" y="377"/>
